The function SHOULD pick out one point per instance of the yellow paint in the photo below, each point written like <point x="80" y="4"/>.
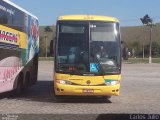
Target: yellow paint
<point x="23" y="40"/>
<point x="21" y="37"/>
<point x="97" y="84"/>
<point x="78" y="90"/>
<point x="88" y="17"/>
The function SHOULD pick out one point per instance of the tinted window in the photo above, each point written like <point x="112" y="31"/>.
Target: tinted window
<point x="11" y="17"/>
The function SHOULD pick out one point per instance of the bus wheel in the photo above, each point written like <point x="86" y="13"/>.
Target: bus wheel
<point x="26" y="81"/>
<point x="35" y="76"/>
<point x="19" y="86"/>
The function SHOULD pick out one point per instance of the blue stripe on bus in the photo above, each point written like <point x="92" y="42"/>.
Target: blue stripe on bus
<point x="8" y="44"/>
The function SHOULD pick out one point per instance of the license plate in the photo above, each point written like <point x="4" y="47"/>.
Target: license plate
<point x="88" y="90"/>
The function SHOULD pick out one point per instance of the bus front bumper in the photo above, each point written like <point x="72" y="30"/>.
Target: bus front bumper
<point x="75" y="90"/>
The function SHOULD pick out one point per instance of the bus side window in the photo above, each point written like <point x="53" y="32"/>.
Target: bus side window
<point x="3" y="19"/>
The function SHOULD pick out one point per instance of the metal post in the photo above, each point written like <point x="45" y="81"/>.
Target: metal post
<point x="150" y="45"/>
<point x="143" y="42"/>
<point x="46" y="44"/>
<point x="148" y="21"/>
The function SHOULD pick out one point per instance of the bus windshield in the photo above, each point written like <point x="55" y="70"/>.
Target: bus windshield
<point x="88" y="48"/>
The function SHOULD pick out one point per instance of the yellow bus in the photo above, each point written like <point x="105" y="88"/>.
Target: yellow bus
<point x="87" y="56"/>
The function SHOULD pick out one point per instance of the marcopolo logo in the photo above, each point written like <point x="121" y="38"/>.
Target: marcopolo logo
<point x="8" y="36"/>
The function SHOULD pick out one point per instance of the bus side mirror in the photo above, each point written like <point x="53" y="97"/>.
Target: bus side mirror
<point x="51" y="48"/>
<point x="122" y="42"/>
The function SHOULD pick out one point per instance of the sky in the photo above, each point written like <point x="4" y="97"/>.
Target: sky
<point x="128" y="12"/>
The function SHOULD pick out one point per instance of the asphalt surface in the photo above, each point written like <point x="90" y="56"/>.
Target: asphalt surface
<point x="140" y="94"/>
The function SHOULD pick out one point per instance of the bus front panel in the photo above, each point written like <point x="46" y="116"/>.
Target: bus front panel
<point x="89" y="51"/>
<point x="87" y="85"/>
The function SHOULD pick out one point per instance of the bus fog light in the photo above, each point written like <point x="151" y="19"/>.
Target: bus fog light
<point x="64" y="82"/>
<point x="114" y="82"/>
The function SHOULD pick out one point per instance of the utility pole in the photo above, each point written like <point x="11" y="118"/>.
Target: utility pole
<point x="45" y="36"/>
<point x="150" y="43"/>
<point x="143" y="42"/>
<point x="146" y="20"/>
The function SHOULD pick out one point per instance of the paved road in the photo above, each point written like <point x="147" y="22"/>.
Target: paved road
<point x="140" y="93"/>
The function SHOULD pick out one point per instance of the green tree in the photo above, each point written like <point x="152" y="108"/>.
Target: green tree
<point x="41" y="47"/>
<point x="136" y="46"/>
<point x="155" y="49"/>
<point x="47" y="30"/>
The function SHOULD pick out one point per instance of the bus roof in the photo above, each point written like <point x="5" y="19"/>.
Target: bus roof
<point x="18" y="7"/>
<point x="87" y="18"/>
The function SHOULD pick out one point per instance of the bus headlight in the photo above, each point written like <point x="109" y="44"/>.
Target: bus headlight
<point x="64" y="82"/>
<point x="111" y="82"/>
